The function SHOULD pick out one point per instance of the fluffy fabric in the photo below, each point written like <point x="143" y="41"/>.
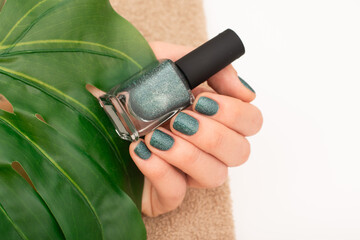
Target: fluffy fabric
<point x="205" y="213"/>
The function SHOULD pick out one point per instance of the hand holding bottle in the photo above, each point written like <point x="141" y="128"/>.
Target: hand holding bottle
<point x="198" y="145"/>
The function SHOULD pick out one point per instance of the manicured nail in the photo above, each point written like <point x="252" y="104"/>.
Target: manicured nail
<point x="206" y="106"/>
<point x="142" y="151"/>
<point x="186" y="124"/>
<point x="246" y="84"/>
<point x="161" y="140"/>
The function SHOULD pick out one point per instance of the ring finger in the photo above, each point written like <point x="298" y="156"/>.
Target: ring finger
<point x="212" y="137"/>
<point x="203" y="169"/>
<point x="240" y="116"/>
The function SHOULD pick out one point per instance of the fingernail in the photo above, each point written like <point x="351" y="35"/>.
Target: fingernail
<point x="161" y="140"/>
<point x="206" y="106"/>
<point x="246" y="84"/>
<point x="186" y="124"/>
<point x="142" y="151"/>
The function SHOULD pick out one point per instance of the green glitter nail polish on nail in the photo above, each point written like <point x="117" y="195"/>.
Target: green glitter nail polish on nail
<point x="207" y="106"/>
<point x="142" y="151"/>
<point x="246" y="84"/>
<point x="161" y="140"/>
<point x="186" y="124"/>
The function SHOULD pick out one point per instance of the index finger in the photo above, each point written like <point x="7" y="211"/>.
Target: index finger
<point x="227" y="82"/>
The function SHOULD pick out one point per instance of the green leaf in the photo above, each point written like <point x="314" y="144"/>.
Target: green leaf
<point x="18" y="194"/>
<point x="87" y="186"/>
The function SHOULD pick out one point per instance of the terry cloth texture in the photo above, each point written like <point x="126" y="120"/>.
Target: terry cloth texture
<point x="205" y="213"/>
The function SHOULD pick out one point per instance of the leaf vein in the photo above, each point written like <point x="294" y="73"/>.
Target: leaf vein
<point x="16" y="227"/>
<point x="57" y="41"/>
<point x="20" y="20"/>
<point x="57" y="166"/>
<point x="37" y="81"/>
<point x="60" y="51"/>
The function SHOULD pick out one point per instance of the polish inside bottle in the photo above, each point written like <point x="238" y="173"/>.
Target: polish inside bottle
<point x="157" y="92"/>
<point x="147" y="99"/>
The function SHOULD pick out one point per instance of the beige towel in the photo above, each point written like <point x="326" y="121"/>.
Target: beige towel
<point x="205" y="213"/>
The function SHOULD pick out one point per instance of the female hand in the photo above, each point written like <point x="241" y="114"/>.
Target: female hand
<point x="199" y="144"/>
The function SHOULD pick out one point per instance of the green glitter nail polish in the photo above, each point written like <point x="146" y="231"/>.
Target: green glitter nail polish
<point x="246" y="84"/>
<point x="142" y="151"/>
<point x="207" y="106"/>
<point x="161" y="140"/>
<point x="186" y="124"/>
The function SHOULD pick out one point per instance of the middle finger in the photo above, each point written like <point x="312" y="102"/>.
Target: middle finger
<point x="237" y="115"/>
<point x="212" y="137"/>
<point x="203" y="169"/>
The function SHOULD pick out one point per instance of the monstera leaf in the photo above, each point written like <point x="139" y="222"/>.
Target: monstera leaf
<point x="74" y="178"/>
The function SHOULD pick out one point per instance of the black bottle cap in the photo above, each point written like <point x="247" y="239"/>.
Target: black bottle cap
<point x="211" y="57"/>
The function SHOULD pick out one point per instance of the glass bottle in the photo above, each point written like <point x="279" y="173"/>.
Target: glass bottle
<point x="162" y="89"/>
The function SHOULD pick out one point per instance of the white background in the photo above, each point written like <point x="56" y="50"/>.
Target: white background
<point x="302" y="180"/>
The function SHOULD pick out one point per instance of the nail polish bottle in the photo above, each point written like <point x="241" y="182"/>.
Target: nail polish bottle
<point x="159" y="91"/>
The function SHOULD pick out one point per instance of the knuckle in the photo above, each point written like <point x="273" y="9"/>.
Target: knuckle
<point x="243" y="154"/>
<point x="237" y="116"/>
<point x="173" y="200"/>
<point x="177" y="196"/>
<point x="215" y="141"/>
<point x="191" y="157"/>
<point x="256" y="120"/>
<point x="219" y="178"/>
<point x="168" y="208"/>
<point x="156" y="172"/>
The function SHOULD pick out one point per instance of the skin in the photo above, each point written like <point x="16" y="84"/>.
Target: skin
<point x="200" y="160"/>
